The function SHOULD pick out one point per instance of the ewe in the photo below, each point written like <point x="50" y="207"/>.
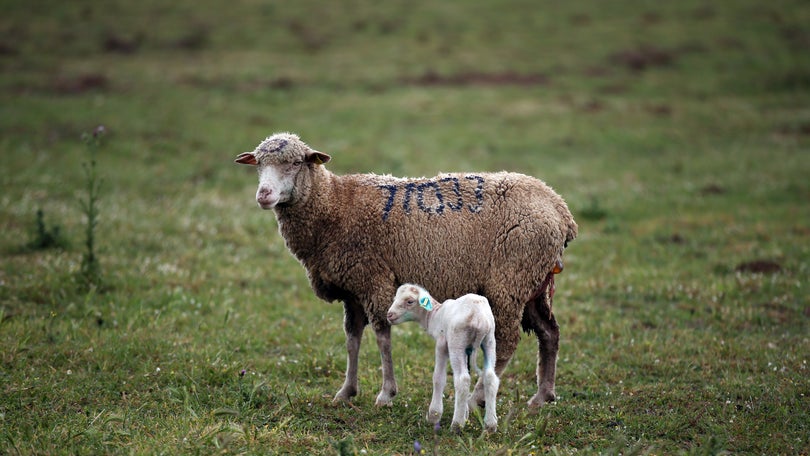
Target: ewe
<point x="499" y="235"/>
<point x="460" y="326"/>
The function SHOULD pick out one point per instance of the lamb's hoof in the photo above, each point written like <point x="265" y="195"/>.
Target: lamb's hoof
<point x="542" y="398"/>
<point x="433" y="416"/>
<point x="456" y="428"/>
<point x="491" y="428"/>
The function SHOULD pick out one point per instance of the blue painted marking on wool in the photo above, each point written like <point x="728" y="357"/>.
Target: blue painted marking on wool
<point x="457" y="191"/>
<point x="479" y="194"/>
<point x="436" y="187"/>
<point x="392" y="192"/>
<point x="280" y="146"/>
<point x="406" y="203"/>
<point x="420" y="198"/>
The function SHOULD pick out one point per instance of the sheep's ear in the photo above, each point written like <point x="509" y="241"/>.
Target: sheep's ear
<point x="247" y="158"/>
<point x="319" y="158"/>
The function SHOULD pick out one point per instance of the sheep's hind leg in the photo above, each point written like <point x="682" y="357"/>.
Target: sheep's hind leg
<point x="389" y="385"/>
<point x="539" y="318"/>
<point x="354" y="322"/>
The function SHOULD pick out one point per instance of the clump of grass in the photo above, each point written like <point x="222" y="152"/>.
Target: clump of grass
<point x="90" y="271"/>
<point x="46" y="238"/>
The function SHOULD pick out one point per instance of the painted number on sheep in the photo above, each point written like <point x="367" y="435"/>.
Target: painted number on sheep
<point x="432" y="189"/>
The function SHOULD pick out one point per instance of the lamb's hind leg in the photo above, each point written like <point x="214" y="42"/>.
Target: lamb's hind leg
<point x="507" y="333"/>
<point x="354" y="321"/>
<point x="491" y="383"/>
<point x="539" y="318"/>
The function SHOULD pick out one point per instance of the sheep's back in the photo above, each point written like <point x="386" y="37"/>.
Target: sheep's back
<point x="454" y="232"/>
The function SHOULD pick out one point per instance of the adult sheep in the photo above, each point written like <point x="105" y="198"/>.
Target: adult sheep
<point x="360" y="236"/>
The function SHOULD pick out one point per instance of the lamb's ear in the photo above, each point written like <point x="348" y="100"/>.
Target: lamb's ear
<point x="425" y="302"/>
<point x="246" y="158"/>
<point x="319" y="158"/>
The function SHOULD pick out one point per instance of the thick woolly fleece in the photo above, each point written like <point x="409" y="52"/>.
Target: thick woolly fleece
<point x="361" y="236"/>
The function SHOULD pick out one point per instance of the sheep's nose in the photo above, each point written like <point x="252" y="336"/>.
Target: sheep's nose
<point x="265" y="198"/>
<point x="391" y="316"/>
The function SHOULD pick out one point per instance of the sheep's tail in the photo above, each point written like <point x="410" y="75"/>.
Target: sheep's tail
<point x="571" y="227"/>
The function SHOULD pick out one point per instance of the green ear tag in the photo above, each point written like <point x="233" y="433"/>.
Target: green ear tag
<point x="426" y="303"/>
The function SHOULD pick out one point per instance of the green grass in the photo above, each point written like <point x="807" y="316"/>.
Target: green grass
<point x="678" y="133"/>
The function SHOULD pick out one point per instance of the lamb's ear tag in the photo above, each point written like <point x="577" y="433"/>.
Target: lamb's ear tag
<point x="426" y="303"/>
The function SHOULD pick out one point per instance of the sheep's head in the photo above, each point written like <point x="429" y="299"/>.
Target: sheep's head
<point x="280" y="159"/>
<point x="410" y="302"/>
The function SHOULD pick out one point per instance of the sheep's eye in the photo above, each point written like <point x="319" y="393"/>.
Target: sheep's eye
<point x="411" y="302"/>
<point x="298" y="162"/>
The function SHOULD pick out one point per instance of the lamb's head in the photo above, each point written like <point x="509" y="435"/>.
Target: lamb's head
<point x="285" y="164"/>
<point x="411" y="303"/>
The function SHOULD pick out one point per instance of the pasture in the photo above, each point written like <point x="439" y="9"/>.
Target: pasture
<point x="677" y="132"/>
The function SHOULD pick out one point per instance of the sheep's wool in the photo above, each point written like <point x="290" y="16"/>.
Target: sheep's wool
<point x="280" y="148"/>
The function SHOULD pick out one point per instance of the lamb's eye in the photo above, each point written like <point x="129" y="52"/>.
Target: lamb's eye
<point x="411" y="302"/>
<point x="298" y="163"/>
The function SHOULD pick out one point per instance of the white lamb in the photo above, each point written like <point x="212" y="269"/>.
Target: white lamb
<point x="459" y="326"/>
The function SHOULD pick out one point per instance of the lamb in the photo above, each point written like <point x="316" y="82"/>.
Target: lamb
<point x="360" y="236"/>
<point x="459" y="326"/>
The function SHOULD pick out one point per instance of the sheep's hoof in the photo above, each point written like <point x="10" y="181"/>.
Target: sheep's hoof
<point x="542" y="398"/>
<point x="345" y="395"/>
<point x="433" y="416"/>
<point x="456" y="428"/>
<point x="384" y="399"/>
<point x="491" y="428"/>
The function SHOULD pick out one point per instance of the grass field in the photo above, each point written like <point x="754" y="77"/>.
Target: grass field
<point x="678" y="132"/>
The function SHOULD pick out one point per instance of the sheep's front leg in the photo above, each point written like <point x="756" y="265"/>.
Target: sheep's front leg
<point x="439" y="381"/>
<point x="461" y="383"/>
<point x="354" y="322"/>
<point x="389" y="385"/>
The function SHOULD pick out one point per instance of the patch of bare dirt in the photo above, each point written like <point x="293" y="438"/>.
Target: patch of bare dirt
<point x="431" y="78"/>
<point x="759" y="267"/>
<point x="73" y="85"/>
<point x="642" y="58"/>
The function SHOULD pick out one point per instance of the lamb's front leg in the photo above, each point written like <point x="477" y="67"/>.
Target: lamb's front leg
<point x="354" y="321"/>
<point x="389" y="384"/>
<point x="439" y="382"/>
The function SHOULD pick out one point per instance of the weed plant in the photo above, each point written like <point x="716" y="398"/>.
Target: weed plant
<point x="90" y="270"/>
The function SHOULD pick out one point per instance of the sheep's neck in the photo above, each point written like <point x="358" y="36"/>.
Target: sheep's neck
<point x="307" y="216"/>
